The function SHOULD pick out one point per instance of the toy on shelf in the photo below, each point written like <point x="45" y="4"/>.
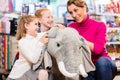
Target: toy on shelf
<point x="113" y="7"/>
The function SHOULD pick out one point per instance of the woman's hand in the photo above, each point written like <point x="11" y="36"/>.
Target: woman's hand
<point x="44" y="39"/>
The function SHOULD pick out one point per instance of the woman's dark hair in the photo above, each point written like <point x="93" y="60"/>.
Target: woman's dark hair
<point x="79" y="3"/>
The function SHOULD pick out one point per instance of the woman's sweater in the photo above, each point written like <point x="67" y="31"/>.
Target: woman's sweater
<point x="95" y="32"/>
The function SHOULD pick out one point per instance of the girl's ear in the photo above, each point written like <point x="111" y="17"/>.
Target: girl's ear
<point x="26" y="25"/>
<point x="39" y="20"/>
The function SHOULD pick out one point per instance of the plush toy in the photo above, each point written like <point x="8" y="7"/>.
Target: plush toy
<point x="71" y="52"/>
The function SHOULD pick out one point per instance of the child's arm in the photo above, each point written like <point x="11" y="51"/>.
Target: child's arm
<point x="31" y="48"/>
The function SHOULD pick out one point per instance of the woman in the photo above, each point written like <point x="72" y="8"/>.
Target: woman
<point x="95" y="34"/>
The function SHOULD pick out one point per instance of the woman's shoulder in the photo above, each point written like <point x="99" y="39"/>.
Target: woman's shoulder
<point x="97" y="21"/>
<point x="100" y="26"/>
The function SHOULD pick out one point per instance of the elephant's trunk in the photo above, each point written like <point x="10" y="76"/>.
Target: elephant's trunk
<point x="62" y="69"/>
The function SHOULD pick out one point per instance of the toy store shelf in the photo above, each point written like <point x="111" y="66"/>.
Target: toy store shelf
<point x="113" y="28"/>
<point x="118" y="68"/>
<point x="3" y="71"/>
<point x="117" y="42"/>
<point x="116" y="59"/>
<point x="117" y="62"/>
<point x="106" y="14"/>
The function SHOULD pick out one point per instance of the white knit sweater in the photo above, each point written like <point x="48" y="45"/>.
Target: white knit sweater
<point x="30" y="48"/>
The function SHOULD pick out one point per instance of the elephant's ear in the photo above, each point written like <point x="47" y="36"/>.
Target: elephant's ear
<point x="83" y="42"/>
<point x="52" y="32"/>
<point x="47" y="60"/>
<point x="86" y="54"/>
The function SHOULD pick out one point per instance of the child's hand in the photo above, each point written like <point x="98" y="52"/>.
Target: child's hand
<point x="60" y="26"/>
<point x="44" y="39"/>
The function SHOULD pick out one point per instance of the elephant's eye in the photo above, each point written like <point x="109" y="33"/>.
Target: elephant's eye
<point x="58" y="45"/>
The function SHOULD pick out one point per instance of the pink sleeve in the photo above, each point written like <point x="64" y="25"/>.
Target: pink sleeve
<point x="100" y="41"/>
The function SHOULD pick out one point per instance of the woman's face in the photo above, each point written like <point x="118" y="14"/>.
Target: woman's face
<point x="78" y="13"/>
<point x="47" y="19"/>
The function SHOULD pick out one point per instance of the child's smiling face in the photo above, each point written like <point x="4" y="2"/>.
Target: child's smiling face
<point x="32" y="27"/>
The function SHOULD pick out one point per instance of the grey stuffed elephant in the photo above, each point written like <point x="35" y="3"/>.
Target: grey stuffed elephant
<point x="71" y="52"/>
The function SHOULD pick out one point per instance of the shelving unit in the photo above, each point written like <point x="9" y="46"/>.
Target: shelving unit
<point x="5" y="62"/>
<point x="108" y="43"/>
<point x="7" y="49"/>
<point x="113" y="39"/>
<point x="106" y="14"/>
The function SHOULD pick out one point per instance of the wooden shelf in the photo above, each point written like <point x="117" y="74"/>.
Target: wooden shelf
<point x="105" y="14"/>
<point x="116" y="42"/>
<point x="3" y="71"/>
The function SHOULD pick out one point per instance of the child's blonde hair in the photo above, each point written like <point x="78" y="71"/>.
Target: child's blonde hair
<point x="21" y="30"/>
<point x="39" y="11"/>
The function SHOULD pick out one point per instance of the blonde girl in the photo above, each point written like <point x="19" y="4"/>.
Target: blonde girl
<point x="30" y="44"/>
